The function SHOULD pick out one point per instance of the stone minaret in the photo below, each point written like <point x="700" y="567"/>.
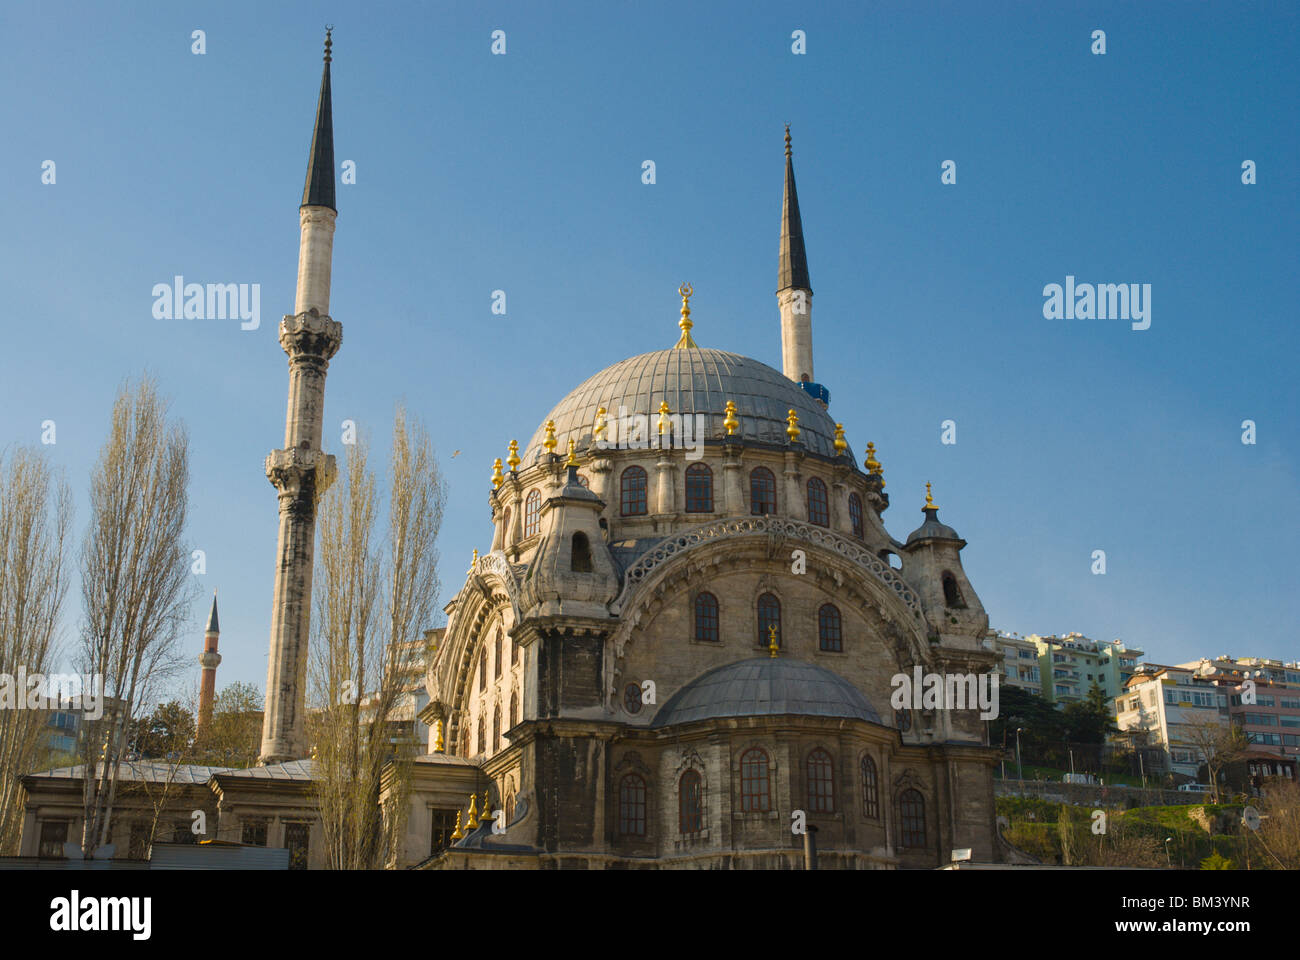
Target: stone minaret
<point x="793" y="289"/>
<point x="209" y="660"/>
<point x="302" y="471"/>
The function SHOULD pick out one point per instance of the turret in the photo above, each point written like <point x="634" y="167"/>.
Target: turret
<point x="572" y="572"/>
<point x="932" y="565"/>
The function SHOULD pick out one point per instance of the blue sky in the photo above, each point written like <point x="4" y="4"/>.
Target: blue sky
<point x="523" y="173"/>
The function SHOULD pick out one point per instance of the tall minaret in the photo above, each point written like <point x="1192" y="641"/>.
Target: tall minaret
<point x="302" y="471"/>
<point x="793" y="289"/>
<point x="209" y="660"/>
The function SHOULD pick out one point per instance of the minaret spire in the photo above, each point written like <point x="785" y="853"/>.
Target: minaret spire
<point x="301" y="471"/>
<point x="793" y="267"/>
<point x="793" y="288"/>
<point x="319" y="189"/>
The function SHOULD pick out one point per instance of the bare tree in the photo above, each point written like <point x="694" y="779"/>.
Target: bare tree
<point x="1279" y="831"/>
<point x="373" y="602"/>
<point x="134" y="582"/>
<point x="1219" y="743"/>
<point x="35" y="516"/>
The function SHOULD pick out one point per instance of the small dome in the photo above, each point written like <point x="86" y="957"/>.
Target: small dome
<point x="932" y="529"/>
<point x="765" y="686"/>
<point x="691" y="381"/>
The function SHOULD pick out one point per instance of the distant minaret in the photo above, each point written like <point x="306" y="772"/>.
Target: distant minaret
<point x="793" y="289"/>
<point x="302" y="471"/>
<point x="209" y="660"/>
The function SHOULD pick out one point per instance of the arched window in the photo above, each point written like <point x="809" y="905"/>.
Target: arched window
<point x="482" y="668"/>
<point x="762" y="492"/>
<point x="870" y="789"/>
<point x="829" y="635"/>
<point x="755" y="789"/>
<point x="496" y="653"/>
<point x="818" y="511"/>
<point x="510" y="654"/>
<point x="706" y="617"/>
<point x="911" y="818"/>
<point x="580" y="556"/>
<point x="632" y="486"/>
<point x="855" y="514"/>
<point x="510" y="808"/>
<point x="631" y="806"/>
<point x="690" y="802"/>
<point x="699" y="488"/>
<point x="769" y="615"/>
<point x="951" y="592"/>
<point x="821" y="782"/>
<point x="496" y="728"/>
<point x="532" y="507"/>
<point x="482" y="736"/>
<point x="514" y="707"/>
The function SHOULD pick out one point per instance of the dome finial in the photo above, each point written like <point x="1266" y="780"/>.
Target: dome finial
<point x="573" y="458"/>
<point x="840" y="443"/>
<point x="664" y="422"/>
<point x="793" y="431"/>
<point x="731" y="422"/>
<point x="329" y="42"/>
<point x="497" y="477"/>
<point x="787" y="141"/>
<point x="772" y="646"/>
<point x="473" y="562"/>
<point x="873" y="465"/>
<point x="550" y="442"/>
<point x="929" y="500"/>
<point x="513" y="459"/>
<point x="457" y="834"/>
<point x="473" y="812"/>
<point x="686" y="342"/>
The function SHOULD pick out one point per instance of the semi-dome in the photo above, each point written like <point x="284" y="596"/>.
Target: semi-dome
<point x="691" y="381"/>
<point x="765" y="686"/>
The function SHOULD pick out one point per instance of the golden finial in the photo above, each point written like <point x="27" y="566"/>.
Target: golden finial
<point x="772" y="647"/>
<point x="793" y="430"/>
<point x="873" y="465"/>
<point x="550" y="441"/>
<point x="497" y="477"/>
<point x="686" y="342"/>
<point x="473" y="812"/>
<point x="602" y="424"/>
<point x="487" y="816"/>
<point x="513" y="460"/>
<point x="439" y="744"/>
<point x="458" y="834"/>
<point x="731" y="423"/>
<point x="840" y="443"/>
<point x="573" y="459"/>
<point x="663" y="416"/>
<point x="474" y="562"/>
<point x="787" y="141"/>
<point x="929" y="500"/>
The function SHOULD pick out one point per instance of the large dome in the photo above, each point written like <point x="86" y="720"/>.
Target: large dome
<point x="765" y="686"/>
<point x="691" y="381"/>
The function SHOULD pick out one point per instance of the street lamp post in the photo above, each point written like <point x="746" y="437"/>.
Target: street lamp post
<point x="1020" y="770"/>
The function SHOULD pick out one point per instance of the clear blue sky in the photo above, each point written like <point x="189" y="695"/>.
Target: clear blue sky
<point x="522" y="172"/>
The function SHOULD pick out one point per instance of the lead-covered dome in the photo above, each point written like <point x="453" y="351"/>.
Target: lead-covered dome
<point x="765" y="686"/>
<point x="691" y="381"/>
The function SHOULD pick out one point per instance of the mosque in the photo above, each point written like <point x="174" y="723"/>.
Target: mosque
<point x="678" y="651"/>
